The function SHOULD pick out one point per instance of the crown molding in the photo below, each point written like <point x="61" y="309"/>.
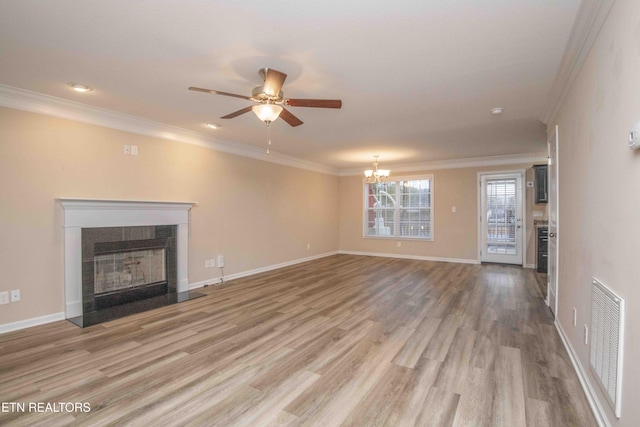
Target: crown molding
<point x="589" y="21"/>
<point x="21" y="99"/>
<point x="507" y="159"/>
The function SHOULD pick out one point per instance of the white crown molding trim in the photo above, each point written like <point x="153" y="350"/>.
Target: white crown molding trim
<point x="589" y="21"/>
<point x="21" y="99"/>
<point x="414" y="257"/>
<point x="35" y="321"/>
<point x="227" y="278"/>
<point x="592" y="397"/>
<point x="507" y="159"/>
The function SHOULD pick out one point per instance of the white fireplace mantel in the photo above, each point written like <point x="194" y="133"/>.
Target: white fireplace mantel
<point x="89" y="213"/>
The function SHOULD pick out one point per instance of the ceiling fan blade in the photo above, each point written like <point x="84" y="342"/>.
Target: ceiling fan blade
<point x="237" y="113"/>
<point x="316" y="103"/>
<point x="290" y="118"/>
<point x="217" y="92"/>
<point x="273" y="81"/>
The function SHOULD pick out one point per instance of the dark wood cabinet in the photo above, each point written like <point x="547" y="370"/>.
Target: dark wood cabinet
<point x="543" y="251"/>
<point x="541" y="183"/>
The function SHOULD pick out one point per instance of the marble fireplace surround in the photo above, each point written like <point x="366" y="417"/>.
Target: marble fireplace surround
<point x="90" y="213"/>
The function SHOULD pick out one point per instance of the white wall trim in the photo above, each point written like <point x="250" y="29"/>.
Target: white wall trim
<point x="414" y="257"/>
<point x="35" y="321"/>
<point x="23" y="324"/>
<point x="227" y="278"/>
<point x="591" y="16"/>
<point x="21" y="99"/>
<point x="592" y="397"/>
<point x="507" y="159"/>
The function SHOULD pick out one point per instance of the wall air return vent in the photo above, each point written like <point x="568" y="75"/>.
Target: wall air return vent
<point x="607" y="332"/>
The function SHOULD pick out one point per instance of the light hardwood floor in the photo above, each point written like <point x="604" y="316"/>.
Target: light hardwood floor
<point x="344" y="340"/>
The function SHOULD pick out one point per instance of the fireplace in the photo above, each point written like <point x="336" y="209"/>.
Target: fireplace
<point x="123" y="257"/>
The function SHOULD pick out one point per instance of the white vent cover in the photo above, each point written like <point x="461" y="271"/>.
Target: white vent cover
<point x="607" y="332"/>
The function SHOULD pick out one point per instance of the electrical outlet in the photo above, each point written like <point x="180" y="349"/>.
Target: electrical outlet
<point x="134" y="150"/>
<point x="15" y="295"/>
<point x="575" y="316"/>
<point x="207" y="264"/>
<point x="4" y="297"/>
<point x="586" y="335"/>
<point x="220" y="261"/>
<point x="127" y="149"/>
<point x="212" y="262"/>
<point x="399" y="244"/>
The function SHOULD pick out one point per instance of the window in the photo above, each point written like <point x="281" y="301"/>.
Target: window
<point x="400" y="209"/>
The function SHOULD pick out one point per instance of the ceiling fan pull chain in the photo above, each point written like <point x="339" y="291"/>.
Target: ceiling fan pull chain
<point x="268" y="137"/>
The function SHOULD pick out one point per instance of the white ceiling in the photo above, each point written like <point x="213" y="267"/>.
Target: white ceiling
<point x="417" y="78"/>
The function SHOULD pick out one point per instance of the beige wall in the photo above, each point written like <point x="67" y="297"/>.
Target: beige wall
<point x="255" y="213"/>
<point x="599" y="187"/>
<point x="455" y="234"/>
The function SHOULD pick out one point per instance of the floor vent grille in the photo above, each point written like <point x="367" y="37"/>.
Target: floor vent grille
<point x="607" y="332"/>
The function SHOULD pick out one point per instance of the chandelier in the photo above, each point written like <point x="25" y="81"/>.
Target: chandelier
<point x="375" y="174"/>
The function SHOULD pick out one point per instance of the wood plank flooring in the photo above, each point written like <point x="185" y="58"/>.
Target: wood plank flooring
<point x="341" y="341"/>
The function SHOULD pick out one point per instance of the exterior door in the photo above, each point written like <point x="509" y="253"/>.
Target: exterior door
<point x="501" y="218"/>
<point x="552" y="266"/>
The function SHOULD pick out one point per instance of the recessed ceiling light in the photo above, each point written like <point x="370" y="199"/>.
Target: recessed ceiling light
<point x="213" y="125"/>
<point x="497" y="110"/>
<point x="80" y="88"/>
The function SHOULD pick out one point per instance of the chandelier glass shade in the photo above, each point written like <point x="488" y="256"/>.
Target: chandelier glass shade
<point x="267" y="112"/>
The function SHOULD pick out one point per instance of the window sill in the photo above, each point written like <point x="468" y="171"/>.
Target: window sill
<point x="401" y="238"/>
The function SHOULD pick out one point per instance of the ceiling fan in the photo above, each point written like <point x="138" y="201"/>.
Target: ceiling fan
<point x="270" y="101"/>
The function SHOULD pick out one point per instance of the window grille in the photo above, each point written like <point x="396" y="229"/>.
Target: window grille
<point x="402" y="208"/>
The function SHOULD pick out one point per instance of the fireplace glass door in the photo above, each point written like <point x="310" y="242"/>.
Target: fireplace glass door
<point x="125" y="270"/>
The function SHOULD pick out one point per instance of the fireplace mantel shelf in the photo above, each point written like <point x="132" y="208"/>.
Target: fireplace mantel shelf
<point x="89" y="203"/>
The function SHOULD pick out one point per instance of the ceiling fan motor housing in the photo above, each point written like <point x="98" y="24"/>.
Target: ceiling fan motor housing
<point x="258" y="94"/>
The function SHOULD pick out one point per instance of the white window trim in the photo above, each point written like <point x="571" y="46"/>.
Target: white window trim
<point x="364" y="210"/>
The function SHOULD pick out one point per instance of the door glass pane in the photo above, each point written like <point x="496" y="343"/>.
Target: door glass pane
<point x="501" y="216"/>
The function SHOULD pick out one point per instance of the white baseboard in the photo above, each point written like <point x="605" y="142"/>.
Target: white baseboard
<point x="22" y="324"/>
<point x="416" y="257"/>
<point x="592" y="397"/>
<point x="216" y="280"/>
<point x="35" y="321"/>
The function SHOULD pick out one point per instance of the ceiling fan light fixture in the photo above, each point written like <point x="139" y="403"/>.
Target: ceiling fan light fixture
<point x="213" y="125"/>
<point x="267" y="112"/>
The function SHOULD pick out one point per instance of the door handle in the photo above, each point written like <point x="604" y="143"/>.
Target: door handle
<point x="552" y="234"/>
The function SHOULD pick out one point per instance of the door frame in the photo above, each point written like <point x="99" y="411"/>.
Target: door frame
<point x="553" y="138"/>
<point x="523" y="205"/>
